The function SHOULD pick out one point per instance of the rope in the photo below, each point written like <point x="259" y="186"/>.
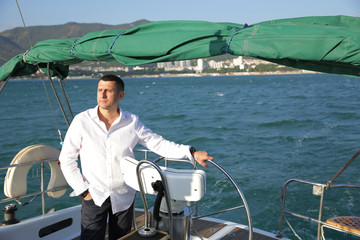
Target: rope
<point x="26" y="30"/>
<point x="115" y="41"/>
<point x="72" y="50"/>
<point x="24" y="56"/>
<point x="47" y="94"/>
<point x="52" y="110"/>
<point x="292" y="229"/>
<point x="24" y="204"/>
<point x="27" y="33"/>
<point x="322" y="233"/>
<point x="232" y="35"/>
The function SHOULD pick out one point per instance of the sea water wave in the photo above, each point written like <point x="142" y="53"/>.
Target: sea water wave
<point x="263" y="130"/>
<point x="287" y="123"/>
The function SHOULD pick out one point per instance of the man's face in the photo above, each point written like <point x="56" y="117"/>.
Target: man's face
<point x="108" y="96"/>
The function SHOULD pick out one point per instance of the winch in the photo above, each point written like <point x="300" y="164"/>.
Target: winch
<point x="9" y="214"/>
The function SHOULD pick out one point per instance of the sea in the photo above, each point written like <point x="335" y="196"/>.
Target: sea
<point x="262" y="129"/>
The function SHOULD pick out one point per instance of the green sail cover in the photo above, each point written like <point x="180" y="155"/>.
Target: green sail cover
<point x="324" y="44"/>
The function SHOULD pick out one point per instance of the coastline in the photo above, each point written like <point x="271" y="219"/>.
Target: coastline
<point x="168" y="75"/>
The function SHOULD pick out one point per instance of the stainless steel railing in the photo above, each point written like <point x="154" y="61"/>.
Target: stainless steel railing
<point x="42" y="184"/>
<point x="229" y="177"/>
<point x="318" y="190"/>
<point x="146" y="157"/>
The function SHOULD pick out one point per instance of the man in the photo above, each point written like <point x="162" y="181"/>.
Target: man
<point x="103" y="136"/>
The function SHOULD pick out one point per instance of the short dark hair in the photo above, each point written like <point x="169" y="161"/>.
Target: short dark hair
<point x="119" y="82"/>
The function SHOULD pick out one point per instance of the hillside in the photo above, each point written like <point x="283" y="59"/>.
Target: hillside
<point x="15" y="41"/>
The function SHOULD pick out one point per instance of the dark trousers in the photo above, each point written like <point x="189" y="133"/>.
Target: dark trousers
<point x="93" y="221"/>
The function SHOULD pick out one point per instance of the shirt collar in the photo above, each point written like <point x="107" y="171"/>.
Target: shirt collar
<point x="93" y="113"/>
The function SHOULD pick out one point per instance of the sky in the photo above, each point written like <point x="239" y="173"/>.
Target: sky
<point x="57" y="12"/>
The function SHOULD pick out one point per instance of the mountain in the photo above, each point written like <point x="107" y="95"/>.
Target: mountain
<point x="16" y="41"/>
<point x="8" y="49"/>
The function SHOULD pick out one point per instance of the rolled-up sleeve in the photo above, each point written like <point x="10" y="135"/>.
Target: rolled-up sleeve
<point x="161" y="146"/>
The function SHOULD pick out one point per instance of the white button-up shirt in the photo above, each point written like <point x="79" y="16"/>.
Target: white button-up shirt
<point x="101" y="152"/>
